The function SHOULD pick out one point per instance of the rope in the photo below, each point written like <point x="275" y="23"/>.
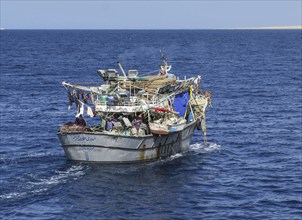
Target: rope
<point x="144" y="74"/>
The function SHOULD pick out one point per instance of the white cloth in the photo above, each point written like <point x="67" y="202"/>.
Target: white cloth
<point x="81" y="112"/>
<point x="90" y="112"/>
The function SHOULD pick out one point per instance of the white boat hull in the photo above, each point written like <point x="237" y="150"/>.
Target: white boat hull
<point x="109" y="148"/>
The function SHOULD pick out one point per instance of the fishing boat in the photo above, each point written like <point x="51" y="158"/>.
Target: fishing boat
<point x="139" y="117"/>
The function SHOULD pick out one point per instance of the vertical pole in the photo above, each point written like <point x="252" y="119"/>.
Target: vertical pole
<point x="120" y="66"/>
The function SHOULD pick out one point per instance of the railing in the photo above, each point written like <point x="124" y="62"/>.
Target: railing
<point x="138" y="102"/>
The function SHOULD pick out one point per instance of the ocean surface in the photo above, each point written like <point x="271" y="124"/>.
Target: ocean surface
<point x="251" y="168"/>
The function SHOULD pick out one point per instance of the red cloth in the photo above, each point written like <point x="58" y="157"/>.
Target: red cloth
<point x="162" y="109"/>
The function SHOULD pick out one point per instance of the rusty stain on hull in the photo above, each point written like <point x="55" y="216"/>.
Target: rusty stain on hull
<point x="142" y="152"/>
<point x="158" y="151"/>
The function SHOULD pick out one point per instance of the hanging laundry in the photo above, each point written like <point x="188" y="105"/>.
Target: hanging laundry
<point x="80" y="109"/>
<point x="76" y="98"/>
<point x="91" y="97"/>
<point x="78" y="94"/>
<point x="70" y="98"/>
<point x="90" y="112"/>
<point x="84" y="97"/>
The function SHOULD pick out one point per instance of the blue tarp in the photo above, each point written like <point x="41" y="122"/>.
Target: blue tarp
<point x="181" y="102"/>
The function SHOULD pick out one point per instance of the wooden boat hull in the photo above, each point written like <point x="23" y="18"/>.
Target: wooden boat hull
<point x="109" y="148"/>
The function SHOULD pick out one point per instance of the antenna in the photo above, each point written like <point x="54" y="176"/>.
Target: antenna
<point x="163" y="56"/>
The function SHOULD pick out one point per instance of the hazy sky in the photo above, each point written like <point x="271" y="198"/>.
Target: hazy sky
<point x="123" y="14"/>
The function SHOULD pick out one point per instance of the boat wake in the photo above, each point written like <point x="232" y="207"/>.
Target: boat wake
<point x="198" y="148"/>
<point x="205" y="148"/>
<point x="175" y="156"/>
<point x="74" y="172"/>
<point x="17" y="158"/>
<point x="33" y="185"/>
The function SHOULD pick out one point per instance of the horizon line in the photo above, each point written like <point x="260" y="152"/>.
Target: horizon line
<point x="292" y="27"/>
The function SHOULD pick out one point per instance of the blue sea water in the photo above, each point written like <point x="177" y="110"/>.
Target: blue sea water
<point x="251" y="169"/>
